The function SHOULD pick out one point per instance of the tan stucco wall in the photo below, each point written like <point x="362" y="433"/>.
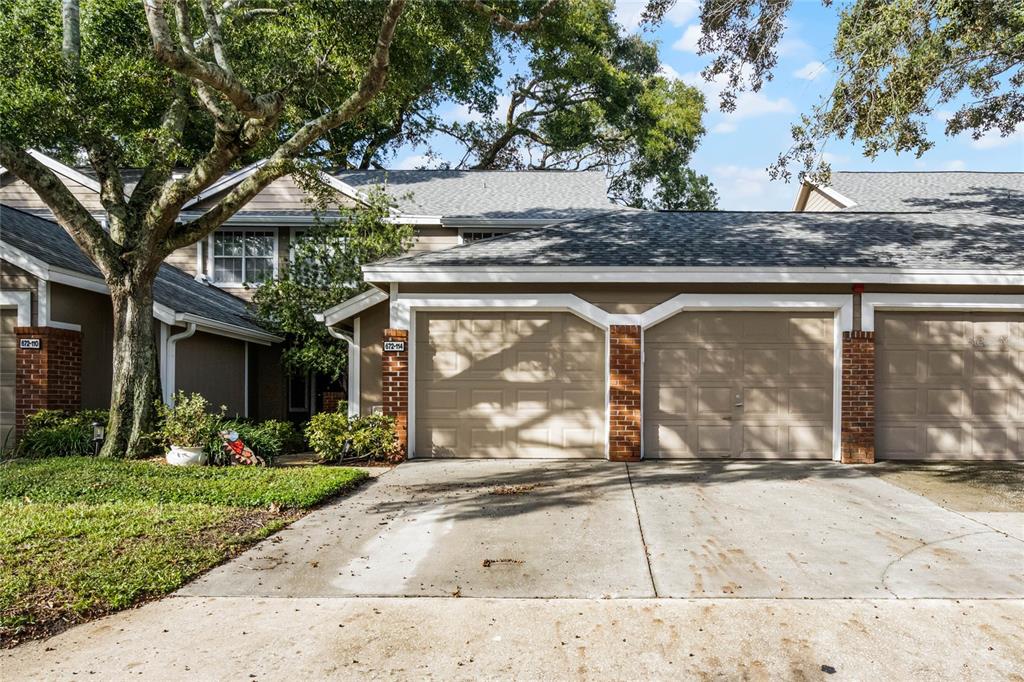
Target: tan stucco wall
<point x="213" y="366"/>
<point x="95" y="315"/>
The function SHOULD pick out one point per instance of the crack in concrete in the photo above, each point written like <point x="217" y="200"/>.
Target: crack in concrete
<point x="901" y="557"/>
<point x="640" y="526"/>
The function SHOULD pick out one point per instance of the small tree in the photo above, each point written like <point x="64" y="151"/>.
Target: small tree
<point x="325" y="270"/>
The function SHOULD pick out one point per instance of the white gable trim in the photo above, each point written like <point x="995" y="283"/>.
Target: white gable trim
<point x="404" y="305"/>
<point x="871" y="303"/>
<point x="22" y="300"/>
<point x="229" y="180"/>
<point x="351" y="307"/>
<point x="65" y="170"/>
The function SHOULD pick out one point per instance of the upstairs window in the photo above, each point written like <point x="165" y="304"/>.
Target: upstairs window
<point x="244" y="256"/>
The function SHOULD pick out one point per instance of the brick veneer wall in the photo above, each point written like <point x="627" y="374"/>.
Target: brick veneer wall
<point x="624" y="393"/>
<point x="395" y="384"/>
<point x="858" y="398"/>
<point x="49" y="377"/>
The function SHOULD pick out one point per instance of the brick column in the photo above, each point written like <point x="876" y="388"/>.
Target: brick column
<point x="858" y="402"/>
<point x="624" y="393"/>
<point x="48" y="377"/>
<point x="395" y="384"/>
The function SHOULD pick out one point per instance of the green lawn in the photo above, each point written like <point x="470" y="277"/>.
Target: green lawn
<point x="82" y="537"/>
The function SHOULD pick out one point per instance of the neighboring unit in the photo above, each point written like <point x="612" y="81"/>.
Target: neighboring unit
<point x="722" y="334"/>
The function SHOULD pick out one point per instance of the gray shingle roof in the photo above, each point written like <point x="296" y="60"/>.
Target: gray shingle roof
<point x="1000" y="193"/>
<point x="174" y="288"/>
<point x="554" y="195"/>
<point x="719" y="239"/>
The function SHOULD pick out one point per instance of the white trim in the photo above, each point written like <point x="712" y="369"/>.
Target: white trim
<point x="351" y="307"/>
<point x="354" y="358"/>
<point x="343" y="187"/>
<point x="410" y="381"/>
<point x="224" y="182"/>
<point x="67" y="171"/>
<point x="26" y="262"/>
<point x="841" y="303"/>
<point x="170" y="378"/>
<point x="22" y="300"/>
<point x="245" y="382"/>
<point x="870" y="303"/>
<point x="838" y="327"/>
<point x="43" y="302"/>
<point x="578" y="274"/>
<point x="608" y="393"/>
<point x="165" y="332"/>
<point x="841" y="199"/>
<point x="403" y="305"/>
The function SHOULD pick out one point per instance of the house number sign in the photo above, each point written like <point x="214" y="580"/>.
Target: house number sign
<point x="30" y="344"/>
<point x="394" y="346"/>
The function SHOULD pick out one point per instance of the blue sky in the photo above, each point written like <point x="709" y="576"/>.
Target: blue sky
<point x="739" y="146"/>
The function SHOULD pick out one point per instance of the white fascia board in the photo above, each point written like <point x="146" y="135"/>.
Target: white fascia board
<point x="351" y="307"/>
<point x="343" y="187"/>
<point x="224" y="329"/>
<point x="412" y="219"/>
<point x="65" y="170"/>
<point x="22" y="300"/>
<point x="26" y="262"/>
<point x="841" y="303"/>
<point x="503" y="223"/>
<point x="841" y="199"/>
<point x="404" y="304"/>
<point x="871" y="303"/>
<point x="655" y="275"/>
<point x="229" y="180"/>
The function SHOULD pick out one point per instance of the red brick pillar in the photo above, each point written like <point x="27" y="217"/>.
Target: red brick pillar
<point x="624" y="393"/>
<point x="48" y="377"/>
<point x="858" y="403"/>
<point x="395" y="384"/>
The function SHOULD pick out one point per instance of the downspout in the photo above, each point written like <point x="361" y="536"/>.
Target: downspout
<point x="353" y="351"/>
<point x="168" y="382"/>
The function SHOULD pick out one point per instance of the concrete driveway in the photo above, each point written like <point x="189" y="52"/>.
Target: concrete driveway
<point x="765" y="555"/>
<point x="561" y="529"/>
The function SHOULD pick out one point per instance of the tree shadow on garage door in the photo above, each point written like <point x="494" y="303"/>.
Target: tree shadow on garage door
<point x="469" y="489"/>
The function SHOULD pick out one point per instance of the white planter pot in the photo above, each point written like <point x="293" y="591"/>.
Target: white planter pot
<point x="183" y="457"/>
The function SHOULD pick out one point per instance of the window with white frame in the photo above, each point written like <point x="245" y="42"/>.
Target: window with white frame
<point x="469" y="236"/>
<point x="243" y="256"/>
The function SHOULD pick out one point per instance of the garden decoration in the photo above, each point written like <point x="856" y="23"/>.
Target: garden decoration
<point x="238" y="451"/>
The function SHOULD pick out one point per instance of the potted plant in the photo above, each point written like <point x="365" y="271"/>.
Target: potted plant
<point x="188" y="428"/>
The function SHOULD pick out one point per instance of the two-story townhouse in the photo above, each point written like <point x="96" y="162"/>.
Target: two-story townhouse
<point x="54" y="298"/>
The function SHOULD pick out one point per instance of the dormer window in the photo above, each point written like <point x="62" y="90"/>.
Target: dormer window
<point x="243" y="256"/>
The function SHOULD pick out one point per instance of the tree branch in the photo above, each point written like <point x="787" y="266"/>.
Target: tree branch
<point x="266" y="106"/>
<point x="72" y="216"/>
<point x="71" y="46"/>
<point x="506" y="24"/>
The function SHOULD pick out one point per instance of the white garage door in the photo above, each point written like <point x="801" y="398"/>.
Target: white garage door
<point x="509" y="385"/>
<point x="8" y="343"/>
<point x="950" y="386"/>
<point x="739" y="384"/>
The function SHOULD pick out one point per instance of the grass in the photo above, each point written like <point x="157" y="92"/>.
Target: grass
<point x="82" y="537"/>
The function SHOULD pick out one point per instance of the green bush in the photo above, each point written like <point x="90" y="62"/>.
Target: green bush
<point x="189" y="423"/>
<point x="372" y="436"/>
<point x="52" y="433"/>
<point x="268" y="439"/>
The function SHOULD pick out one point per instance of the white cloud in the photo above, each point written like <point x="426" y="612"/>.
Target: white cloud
<point x="748" y="104"/>
<point x="669" y="73"/>
<point x="628" y="12"/>
<point x="993" y="139"/>
<point x="743" y="188"/>
<point x="412" y="162"/>
<point x="811" y="71"/>
<point x="954" y="165"/>
<point x="688" y="41"/>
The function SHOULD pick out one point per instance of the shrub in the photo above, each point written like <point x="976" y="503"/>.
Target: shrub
<point x="372" y="437"/>
<point x="52" y="433"/>
<point x="189" y="423"/>
<point x="268" y="439"/>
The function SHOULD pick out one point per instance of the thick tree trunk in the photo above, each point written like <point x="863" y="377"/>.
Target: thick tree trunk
<point x="136" y="384"/>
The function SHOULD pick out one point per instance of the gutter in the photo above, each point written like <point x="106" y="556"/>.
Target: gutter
<point x="168" y="379"/>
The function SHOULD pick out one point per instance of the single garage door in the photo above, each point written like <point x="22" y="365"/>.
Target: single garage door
<point x="950" y="386"/>
<point x="739" y="384"/>
<point x="8" y="343"/>
<point x="509" y="385"/>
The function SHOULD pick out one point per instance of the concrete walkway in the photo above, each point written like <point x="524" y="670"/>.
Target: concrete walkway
<point x="561" y="569"/>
